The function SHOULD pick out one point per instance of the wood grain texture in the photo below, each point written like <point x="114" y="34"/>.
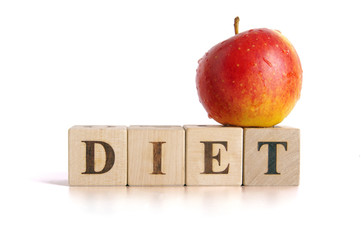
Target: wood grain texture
<point x="271" y="156"/>
<point x="213" y="155"/>
<point x="97" y="143"/>
<point x="156" y="155"/>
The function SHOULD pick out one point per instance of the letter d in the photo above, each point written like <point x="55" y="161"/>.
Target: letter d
<point x="90" y="163"/>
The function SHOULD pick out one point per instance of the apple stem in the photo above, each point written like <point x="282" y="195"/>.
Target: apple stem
<point x="236" y="22"/>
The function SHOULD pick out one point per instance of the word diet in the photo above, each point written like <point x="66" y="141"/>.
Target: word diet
<point x="177" y="156"/>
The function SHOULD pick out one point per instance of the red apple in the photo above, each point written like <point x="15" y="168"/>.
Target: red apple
<point x="251" y="79"/>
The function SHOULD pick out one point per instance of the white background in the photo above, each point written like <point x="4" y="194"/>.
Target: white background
<point x="64" y="63"/>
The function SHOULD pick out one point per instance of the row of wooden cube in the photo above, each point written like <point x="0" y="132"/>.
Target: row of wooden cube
<point x="189" y="155"/>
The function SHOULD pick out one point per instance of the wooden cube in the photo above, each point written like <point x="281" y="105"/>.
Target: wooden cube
<point x="213" y="155"/>
<point x="98" y="155"/>
<point x="271" y="156"/>
<point x="156" y="155"/>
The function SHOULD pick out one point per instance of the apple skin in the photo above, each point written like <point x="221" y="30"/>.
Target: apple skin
<point x="251" y="79"/>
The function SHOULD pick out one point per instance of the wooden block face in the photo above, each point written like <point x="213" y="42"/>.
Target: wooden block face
<point x="98" y="155"/>
<point x="156" y="155"/>
<point x="214" y="155"/>
<point x="271" y="156"/>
